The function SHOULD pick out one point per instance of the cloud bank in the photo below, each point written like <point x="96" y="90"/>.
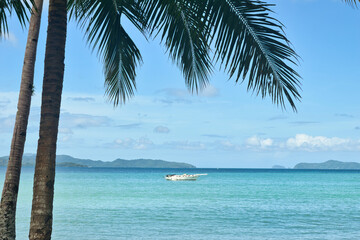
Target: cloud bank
<point x="161" y="129"/>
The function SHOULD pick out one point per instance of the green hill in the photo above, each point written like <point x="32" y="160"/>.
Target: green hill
<point x="278" y="167"/>
<point x="331" y="164"/>
<point x="68" y="161"/>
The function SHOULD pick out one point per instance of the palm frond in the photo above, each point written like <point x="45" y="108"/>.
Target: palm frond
<point x="353" y="3"/>
<point x="182" y="31"/>
<point x="101" y="20"/>
<point x="248" y="42"/>
<point x="251" y="45"/>
<point x="4" y="9"/>
<point x="21" y="9"/>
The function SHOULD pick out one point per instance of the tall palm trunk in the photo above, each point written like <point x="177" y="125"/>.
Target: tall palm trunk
<point x="43" y="191"/>
<point x="11" y="183"/>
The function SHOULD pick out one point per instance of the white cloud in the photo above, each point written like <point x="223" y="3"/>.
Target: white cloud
<point x="8" y="101"/>
<point x="259" y="142"/>
<point x="320" y="143"/>
<point x="81" y="99"/>
<point x="130" y="143"/>
<point x="4" y="103"/>
<point x="7" y="124"/>
<point x="161" y="129"/>
<point x="65" y="134"/>
<point x="65" y="138"/>
<point x="301" y="142"/>
<point x="65" y="131"/>
<point x="10" y="37"/>
<point x="69" y="120"/>
<point x="174" y="92"/>
<point x="209" y="91"/>
<point x="226" y="145"/>
<point x="183" y="96"/>
<point x="186" y="145"/>
<point x="129" y="126"/>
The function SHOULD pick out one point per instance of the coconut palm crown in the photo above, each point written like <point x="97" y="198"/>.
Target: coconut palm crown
<point x="248" y="43"/>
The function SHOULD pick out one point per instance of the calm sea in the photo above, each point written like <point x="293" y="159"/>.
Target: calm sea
<point x="98" y="203"/>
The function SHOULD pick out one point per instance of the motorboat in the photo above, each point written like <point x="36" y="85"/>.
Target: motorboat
<point x="182" y="177"/>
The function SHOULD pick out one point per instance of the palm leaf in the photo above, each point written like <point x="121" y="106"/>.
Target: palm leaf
<point x="182" y="31"/>
<point x="21" y="9"/>
<point x="352" y="2"/>
<point x="4" y="8"/>
<point x="101" y="20"/>
<point x="248" y="42"/>
<point x="251" y="45"/>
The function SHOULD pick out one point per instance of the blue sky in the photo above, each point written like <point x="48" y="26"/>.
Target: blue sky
<point x="224" y="126"/>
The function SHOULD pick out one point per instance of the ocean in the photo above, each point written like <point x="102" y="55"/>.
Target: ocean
<point x="255" y="204"/>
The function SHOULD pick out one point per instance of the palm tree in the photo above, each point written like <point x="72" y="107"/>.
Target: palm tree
<point x="42" y="204"/>
<point x="11" y="183"/>
<point x="248" y="42"/>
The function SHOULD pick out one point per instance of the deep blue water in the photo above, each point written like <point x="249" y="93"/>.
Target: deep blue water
<point x="100" y="203"/>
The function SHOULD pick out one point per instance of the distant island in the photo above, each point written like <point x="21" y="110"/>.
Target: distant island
<point x="278" y="167"/>
<point x="330" y="165"/>
<point x="68" y="161"/>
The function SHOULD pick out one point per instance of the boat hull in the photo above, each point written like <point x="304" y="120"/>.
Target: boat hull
<point x="183" y="177"/>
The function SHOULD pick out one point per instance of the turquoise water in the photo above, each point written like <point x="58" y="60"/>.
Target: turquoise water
<point x="226" y="204"/>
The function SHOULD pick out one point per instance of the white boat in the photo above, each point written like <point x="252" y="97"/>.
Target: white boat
<point x="183" y="177"/>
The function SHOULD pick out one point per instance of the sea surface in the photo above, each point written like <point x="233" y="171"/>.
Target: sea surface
<point x="255" y="204"/>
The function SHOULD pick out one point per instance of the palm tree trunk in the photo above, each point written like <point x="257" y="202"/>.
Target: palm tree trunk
<point x="11" y="183"/>
<point x="43" y="191"/>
